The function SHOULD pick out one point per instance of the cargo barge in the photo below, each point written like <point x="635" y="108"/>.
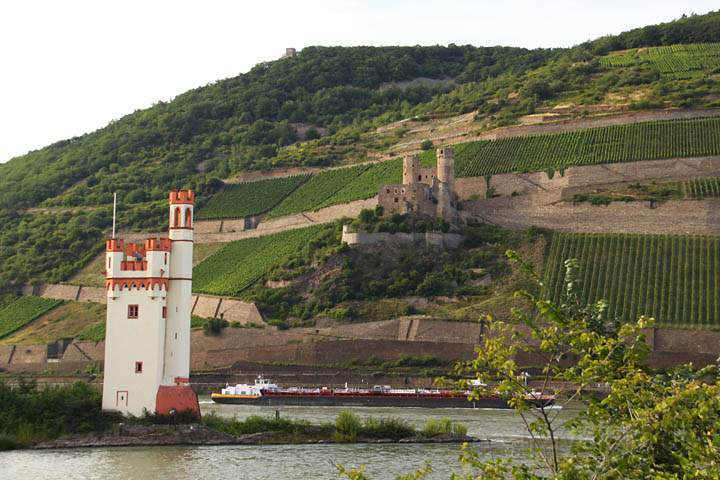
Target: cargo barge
<point x="265" y="393"/>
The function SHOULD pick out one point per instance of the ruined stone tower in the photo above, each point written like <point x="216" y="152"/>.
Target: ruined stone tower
<point x="425" y="190"/>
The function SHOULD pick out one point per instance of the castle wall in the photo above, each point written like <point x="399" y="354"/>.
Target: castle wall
<point x="435" y="239"/>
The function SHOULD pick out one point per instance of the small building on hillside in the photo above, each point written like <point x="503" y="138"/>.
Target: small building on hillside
<point x="425" y="190"/>
<point x="149" y="304"/>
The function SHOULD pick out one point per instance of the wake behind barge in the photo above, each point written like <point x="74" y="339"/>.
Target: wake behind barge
<point x="265" y="393"/>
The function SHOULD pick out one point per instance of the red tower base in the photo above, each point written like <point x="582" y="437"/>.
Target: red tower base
<point x="178" y="398"/>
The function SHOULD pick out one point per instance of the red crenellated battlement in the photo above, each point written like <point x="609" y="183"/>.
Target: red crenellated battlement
<point x="158" y="244"/>
<point x="137" y="283"/>
<point x="182" y="196"/>
<point x="133" y="265"/>
<point x="115" y="245"/>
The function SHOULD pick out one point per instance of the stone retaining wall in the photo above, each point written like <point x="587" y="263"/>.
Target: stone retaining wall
<point x="679" y="217"/>
<point x="203" y="306"/>
<point x="434" y="239"/>
<point x="336" y="345"/>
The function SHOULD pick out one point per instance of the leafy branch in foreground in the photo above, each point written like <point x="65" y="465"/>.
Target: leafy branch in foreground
<point x="647" y="426"/>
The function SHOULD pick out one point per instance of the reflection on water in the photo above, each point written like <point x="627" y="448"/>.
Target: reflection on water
<point x="309" y="462"/>
<point x="503" y="427"/>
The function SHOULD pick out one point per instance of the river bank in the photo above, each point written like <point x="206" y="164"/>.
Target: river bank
<point x="123" y="435"/>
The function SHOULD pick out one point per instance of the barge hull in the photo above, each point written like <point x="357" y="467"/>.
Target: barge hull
<point x="370" y="401"/>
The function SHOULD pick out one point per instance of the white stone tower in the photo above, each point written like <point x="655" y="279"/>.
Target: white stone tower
<point x="147" y="338"/>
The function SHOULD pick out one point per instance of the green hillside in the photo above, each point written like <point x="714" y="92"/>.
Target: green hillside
<point x="673" y="60"/>
<point x="23" y="311"/>
<point x="617" y="143"/>
<point x="620" y="143"/>
<point x="241" y="263"/>
<point x="671" y="278"/>
<point x="249" y="198"/>
<point x="252" y="121"/>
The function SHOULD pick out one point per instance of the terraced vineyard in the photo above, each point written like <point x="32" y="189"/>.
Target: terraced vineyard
<point x="617" y="143"/>
<point x="669" y="60"/>
<point x="674" y="279"/>
<point x="702" y="187"/>
<point x="239" y="264"/>
<point x="251" y="198"/>
<point x="366" y="184"/>
<point x="321" y="188"/>
<point x="23" y="311"/>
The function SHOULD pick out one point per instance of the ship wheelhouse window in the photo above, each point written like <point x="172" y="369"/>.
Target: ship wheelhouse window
<point x="133" y="311"/>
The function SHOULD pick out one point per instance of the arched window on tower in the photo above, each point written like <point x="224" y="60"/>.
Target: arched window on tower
<point x="188" y="218"/>
<point x="176" y="218"/>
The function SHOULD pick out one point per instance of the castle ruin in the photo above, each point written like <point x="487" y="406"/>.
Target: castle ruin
<point x="424" y="190"/>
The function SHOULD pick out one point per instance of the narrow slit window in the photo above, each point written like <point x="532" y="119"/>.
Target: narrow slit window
<point x="133" y="311"/>
<point x="138" y="367"/>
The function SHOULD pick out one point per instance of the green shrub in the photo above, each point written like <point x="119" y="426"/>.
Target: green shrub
<point x="30" y="415"/>
<point x="214" y="326"/>
<point x="254" y="424"/>
<point x="7" y="442"/>
<point x="443" y="426"/>
<point x="348" y="424"/>
<point x="426" y="144"/>
<point x="392" y="428"/>
<point x="280" y="324"/>
<point x="600" y="200"/>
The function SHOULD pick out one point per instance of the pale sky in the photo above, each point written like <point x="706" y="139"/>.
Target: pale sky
<point x="69" y="67"/>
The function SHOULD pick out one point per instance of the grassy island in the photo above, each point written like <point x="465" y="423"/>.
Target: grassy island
<point x="71" y="416"/>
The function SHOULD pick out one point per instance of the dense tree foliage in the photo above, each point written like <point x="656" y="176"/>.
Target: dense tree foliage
<point x="238" y="122"/>
<point x="687" y="29"/>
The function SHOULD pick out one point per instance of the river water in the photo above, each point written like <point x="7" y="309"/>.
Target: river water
<point x="503" y="428"/>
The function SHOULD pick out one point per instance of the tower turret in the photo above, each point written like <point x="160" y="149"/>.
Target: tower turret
<point x="411" y="169"/>
<point x="177" y="332"/>
<point x="446" y="167"/>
